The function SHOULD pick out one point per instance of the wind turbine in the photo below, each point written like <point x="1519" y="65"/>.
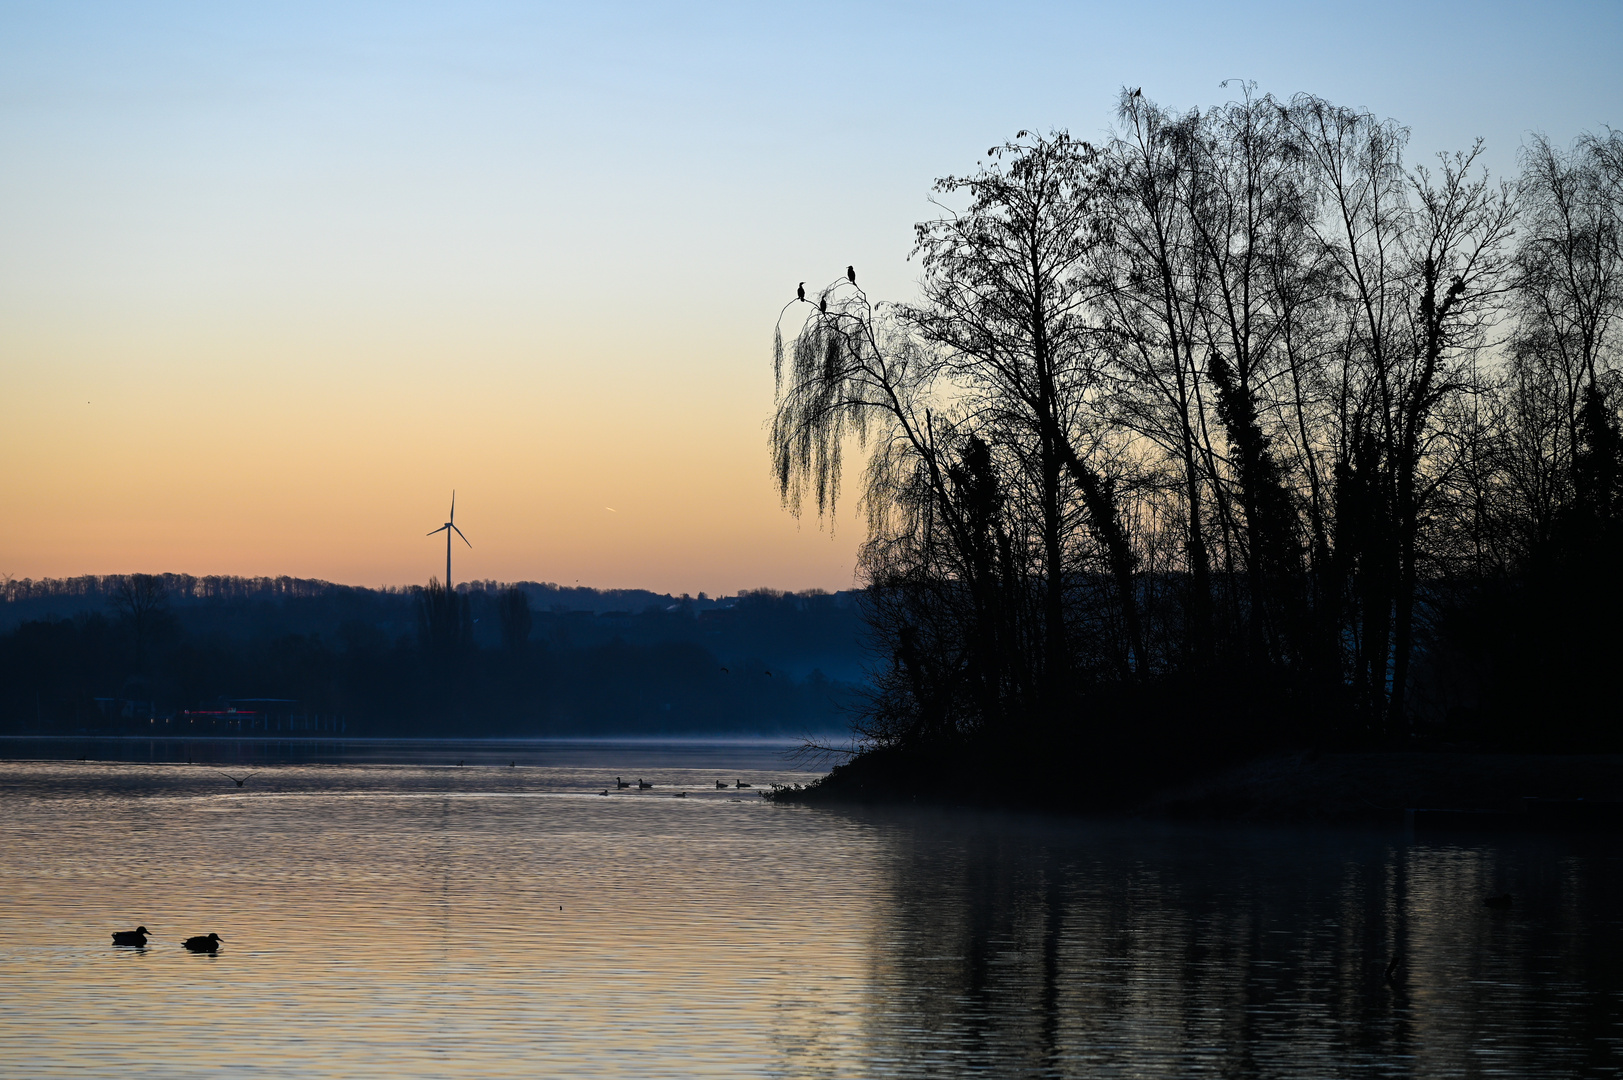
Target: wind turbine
<point x="448" y="528"/>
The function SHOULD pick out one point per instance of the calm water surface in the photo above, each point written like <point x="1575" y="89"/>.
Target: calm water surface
<point x="426" y="919"/>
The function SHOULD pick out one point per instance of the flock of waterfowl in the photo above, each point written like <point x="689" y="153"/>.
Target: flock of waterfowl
<point x="643" y="785"/>
<point x="137" y="938"/>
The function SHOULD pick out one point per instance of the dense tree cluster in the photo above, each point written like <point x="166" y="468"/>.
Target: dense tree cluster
<point x="1241" y="425"/>
<point x="172" y="655"/>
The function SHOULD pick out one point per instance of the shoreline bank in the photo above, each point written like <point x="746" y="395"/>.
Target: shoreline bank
<point x="1333" y="788"/>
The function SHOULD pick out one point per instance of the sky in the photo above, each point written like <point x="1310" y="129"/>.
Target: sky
<point x="276" y="279"/>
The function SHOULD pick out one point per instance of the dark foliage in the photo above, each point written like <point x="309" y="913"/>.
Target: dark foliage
<point x="1238" y="432"/>
<point x="216" y="656"/>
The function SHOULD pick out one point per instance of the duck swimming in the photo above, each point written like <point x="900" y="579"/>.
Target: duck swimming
<point x="204" y="944"/>
<point x="136" y="937"/>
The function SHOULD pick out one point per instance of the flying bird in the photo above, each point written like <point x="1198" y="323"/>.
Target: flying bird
<point x="800" y="292"/>
<point x="204" y="944"/>
<point x="228" y="776"/>
<point x="136" y="937"/>
<point x="851" y="272"/>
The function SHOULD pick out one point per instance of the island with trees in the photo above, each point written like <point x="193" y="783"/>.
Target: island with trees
<point x="1240" y="433"/>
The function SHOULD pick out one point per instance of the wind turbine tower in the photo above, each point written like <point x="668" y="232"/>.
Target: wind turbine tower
<point x="448" y="528"/>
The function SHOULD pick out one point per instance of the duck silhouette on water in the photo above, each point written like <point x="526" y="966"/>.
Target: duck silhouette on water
<point x="641" y="785"/>
<point x="136" y="937"/>
<point x="619" y="783"/>
<point x="204" y="944"/>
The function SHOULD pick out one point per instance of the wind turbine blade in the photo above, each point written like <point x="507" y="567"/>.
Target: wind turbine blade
<point x="453" y="504"/>
<point x="464" y="538"/>
<point x="442" y="528"/>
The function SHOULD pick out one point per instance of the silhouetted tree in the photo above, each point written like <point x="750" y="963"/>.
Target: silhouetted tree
<point x="141" y="599"/>
<point x="514" y="609"/>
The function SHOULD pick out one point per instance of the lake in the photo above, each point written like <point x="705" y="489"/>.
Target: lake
<point x="389" y="912"/>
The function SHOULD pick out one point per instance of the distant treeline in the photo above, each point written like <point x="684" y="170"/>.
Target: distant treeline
<point x="175" y="654"/>
<point x="1238" y="429"/>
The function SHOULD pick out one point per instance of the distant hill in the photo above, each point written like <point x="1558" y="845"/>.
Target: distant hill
<point x="73" y="655"/>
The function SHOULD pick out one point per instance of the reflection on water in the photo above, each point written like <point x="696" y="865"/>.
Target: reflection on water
<point x="491" y="921"/>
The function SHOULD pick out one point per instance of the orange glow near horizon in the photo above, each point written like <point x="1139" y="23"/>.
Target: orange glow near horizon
<point x="337" y="463"/>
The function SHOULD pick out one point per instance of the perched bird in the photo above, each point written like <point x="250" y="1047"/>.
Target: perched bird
<point x="1501" y="902"/>
<point x="228" y="776"/>
<point x="800" y="293"/>
<point x="641" y="784"/>
<point x="204" y="944"/>
<point x="851" y="273"/>
<point x="822" y="305"/>
<point x="138" y="936"/>
<point x="742" y="784"/>
<point x="619" y="783"/>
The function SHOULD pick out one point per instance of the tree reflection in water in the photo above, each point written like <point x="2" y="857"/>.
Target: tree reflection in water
<point x="1033" y="948"/>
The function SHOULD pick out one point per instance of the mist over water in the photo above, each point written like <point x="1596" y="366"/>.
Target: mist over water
<point x="429" y="919"/>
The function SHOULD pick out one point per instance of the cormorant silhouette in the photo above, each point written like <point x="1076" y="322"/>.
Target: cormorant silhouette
<point x="851" y="272"/>
<point x="800" y="293"/>
<point x="204" y="944"/>
<point x="137" y="937"/>
<point x="227" y="775"/>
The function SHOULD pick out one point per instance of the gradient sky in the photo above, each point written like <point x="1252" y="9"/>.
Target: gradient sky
<point x="274" y="280"/>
